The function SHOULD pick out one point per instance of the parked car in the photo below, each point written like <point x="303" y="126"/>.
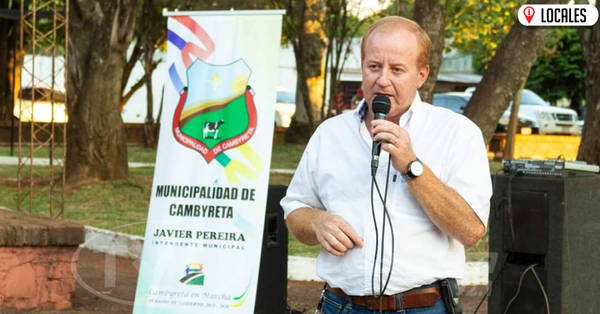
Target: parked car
<point x="550" y="119"/>
<point x="535" y="113"/>
<point x="285" y="107"/>
<point x="457" y="101"/>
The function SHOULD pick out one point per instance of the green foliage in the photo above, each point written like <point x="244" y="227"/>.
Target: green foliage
<point x="558" y="72"/>
<point x="479" y="27"/>
<point x="402" y="8"/>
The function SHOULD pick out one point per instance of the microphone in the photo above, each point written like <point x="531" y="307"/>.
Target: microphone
<point x="381" y="107"/>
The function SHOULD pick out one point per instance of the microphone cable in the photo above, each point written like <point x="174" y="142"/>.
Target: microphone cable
<point x="385" y="215"/>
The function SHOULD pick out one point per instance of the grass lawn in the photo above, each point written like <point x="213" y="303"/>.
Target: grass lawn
<point x="113" y="204"/>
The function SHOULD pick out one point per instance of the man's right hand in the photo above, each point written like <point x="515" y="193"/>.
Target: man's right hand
<point x="335" y="235"/>
<point x="332" y="232"/>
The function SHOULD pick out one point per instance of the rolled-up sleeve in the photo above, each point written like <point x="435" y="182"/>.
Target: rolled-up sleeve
<point x="303" y="190"/>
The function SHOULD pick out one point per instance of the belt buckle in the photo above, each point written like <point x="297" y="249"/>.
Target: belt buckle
<point x="369" y="300"/>
<point x="372" y="302"/>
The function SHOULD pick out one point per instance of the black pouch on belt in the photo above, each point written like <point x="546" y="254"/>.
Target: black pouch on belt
<point x="451" y="296"/>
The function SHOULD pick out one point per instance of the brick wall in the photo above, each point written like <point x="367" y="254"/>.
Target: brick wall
<point x="36" y="266"/>
<point x="36" y="278"/>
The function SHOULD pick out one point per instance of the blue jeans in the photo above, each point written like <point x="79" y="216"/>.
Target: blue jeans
<point x="332" y="304"/>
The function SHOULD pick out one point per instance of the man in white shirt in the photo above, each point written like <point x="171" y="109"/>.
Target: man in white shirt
<point x="437" y="195"/>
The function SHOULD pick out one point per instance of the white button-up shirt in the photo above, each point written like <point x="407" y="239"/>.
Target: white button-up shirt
<point x="334" y="175"/>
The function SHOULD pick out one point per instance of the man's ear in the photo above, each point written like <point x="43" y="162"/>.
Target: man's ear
<point x="422" y="76"/>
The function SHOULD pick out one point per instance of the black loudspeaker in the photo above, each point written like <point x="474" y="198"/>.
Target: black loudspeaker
<point x="554" y="223"/>
<point x="271" y="295"/>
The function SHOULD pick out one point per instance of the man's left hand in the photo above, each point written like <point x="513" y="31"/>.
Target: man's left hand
<point x="396" y="142"/>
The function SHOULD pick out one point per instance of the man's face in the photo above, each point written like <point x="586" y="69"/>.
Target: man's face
<point x="390" y="68"/>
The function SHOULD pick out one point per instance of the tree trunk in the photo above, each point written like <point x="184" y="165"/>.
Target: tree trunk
<point x="507" y="71"/>
<point x="5" y="71"/>
<point x="589" y="150"/>
<point x="150" y="33"/>
<point x="513" y="123"/>
<point x="309" y="49"/>
<point x="129" y="65"/>
<point x="431" y="16"/>
<point x="149" y="139"/>
<point x="100" y="33"/>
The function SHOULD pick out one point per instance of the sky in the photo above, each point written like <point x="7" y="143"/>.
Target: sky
<point x="364" y="8"/>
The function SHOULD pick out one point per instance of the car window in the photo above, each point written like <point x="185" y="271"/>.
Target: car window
<point x="284" y="96"/>
<point x="531" y="98"/>
<point x="456" y="104"/>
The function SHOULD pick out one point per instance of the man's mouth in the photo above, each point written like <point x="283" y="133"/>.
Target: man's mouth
<point x="383" y="94"/>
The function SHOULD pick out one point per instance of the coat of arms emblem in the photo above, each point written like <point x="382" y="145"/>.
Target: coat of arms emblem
<point x="216" y="111"/>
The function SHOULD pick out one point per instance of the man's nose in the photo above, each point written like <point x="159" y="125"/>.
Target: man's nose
<point x="384" y="78"/>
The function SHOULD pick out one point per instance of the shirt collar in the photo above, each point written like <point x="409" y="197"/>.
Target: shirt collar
<point x="405" y="119"/>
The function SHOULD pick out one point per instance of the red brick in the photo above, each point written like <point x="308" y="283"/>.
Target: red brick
<point x="21" y="283"/>
<point x="54" y="290"/>
<point x="28" y="255"/>
<point x="5" y="253"/>
<point x="59" y="254"/>
<point x="60" y="293"/>
<point x="41" y="270"/>
<point x="60" y="270"/>
<point x="36" y="278"/>
<point x="68" y="285"/>
<point x="8" y="262"/>
<point x="24" y="304"/>
<point x="44" y="293"/>
<point x="56" y="306"/>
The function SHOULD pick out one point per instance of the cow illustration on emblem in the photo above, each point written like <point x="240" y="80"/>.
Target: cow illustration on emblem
<point x="216" y="110"/>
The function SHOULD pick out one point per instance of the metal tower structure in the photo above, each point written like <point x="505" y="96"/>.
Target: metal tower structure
<point x="42" y="102"/>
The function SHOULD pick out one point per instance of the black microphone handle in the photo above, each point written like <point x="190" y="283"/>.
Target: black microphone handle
<point x="376" y="149"/>
<point x="376" y="146"/>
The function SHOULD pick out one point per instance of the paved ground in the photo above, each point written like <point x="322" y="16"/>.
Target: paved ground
<point x="302" y="295"/>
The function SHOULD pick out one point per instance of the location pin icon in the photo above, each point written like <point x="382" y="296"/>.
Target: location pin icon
<point x="528" y="12"/>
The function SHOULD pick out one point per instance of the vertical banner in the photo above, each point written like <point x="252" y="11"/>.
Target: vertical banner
<point x="205" y="224"/>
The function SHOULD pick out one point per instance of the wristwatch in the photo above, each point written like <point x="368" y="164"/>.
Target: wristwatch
<point x="414" y="170"/>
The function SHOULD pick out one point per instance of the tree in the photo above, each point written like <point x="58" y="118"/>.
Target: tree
<point x="404" y="8"/>
<point x="342" y="29"/>
<point x="589" y="150"/>
<point x="478" y="27"/>
<point x="6" y="34"/>
<point x="303" y="29"/>
<point x="150" y="32"/>
<point x="10" y="60"/>
<point x="507" y="70"/>
<point x="431" y="15"/>
<point x="100" y="33"/>
<point x="558" y="72"/>
<point x="511" y="132"/>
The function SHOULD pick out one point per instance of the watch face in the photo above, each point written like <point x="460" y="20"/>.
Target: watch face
<point x="416" y="168"/>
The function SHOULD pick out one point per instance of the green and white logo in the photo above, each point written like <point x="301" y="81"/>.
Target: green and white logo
<point x="193" y="275"/>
